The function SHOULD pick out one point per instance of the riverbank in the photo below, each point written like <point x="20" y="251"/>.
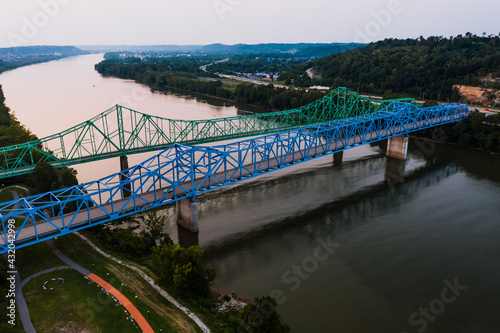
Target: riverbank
<point x="422" y="138"/>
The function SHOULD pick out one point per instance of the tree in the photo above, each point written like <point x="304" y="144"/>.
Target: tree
<point x="153" y="233"/>
<point x="67" y="177"/>
<point x="430" y="103"/>
<point x="44" y="178"/>
<point x="260" y="316"/>
<point x="182" y="269"/>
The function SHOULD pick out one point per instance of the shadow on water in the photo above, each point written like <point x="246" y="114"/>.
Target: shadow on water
<point x="344" y="213"/>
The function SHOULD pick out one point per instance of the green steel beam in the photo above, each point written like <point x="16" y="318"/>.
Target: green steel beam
<point x="120" y="131"/>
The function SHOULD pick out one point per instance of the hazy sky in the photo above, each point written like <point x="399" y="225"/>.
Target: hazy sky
<point x="84" y="22"/>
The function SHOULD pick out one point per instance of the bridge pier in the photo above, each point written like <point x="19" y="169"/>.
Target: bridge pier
<point x="394" y="171"/>
<point x="397" y="147"/>
<point x="127" y="189"/>
<point x="338" y="157"/>
<point x="187" y="214"/>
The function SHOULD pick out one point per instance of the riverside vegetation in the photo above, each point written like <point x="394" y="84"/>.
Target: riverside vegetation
<point x="182" y="273"/>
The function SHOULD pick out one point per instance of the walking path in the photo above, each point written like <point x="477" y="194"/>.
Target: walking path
<point x="162" y="292"/>
<point x="138" y="317"/>
<point x="29" y="278"/>
<point x="141" y="321"/>
<point x="21" y="302"/>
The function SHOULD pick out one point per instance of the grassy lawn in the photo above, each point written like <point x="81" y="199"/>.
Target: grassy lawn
<point x="76" y="306"/>
<point x="79" y="306"/>
<point x="35" y="258"/>
<point x="230" y="86"/>
<point x="6" y="196"/>
<point x="206" y="320"/>
<point x="162" y="314"/>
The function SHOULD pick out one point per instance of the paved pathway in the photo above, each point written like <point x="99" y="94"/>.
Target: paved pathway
<point x="29" y="278"/>
<point x="67" y="260"/>
<point x="138" y="317"/>
<point x="21" y="302"/>
<point x="151" y="282"/>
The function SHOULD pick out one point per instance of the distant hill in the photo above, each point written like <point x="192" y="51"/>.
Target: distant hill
<point x="421" y="67"/>
<point x="306" y="50"/>
<point x="41" y="50"/>
<point x="14" y="57"/>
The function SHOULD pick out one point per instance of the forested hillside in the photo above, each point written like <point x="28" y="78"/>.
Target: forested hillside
<point x="14" y="57"/>
<point x="421" y="68"/>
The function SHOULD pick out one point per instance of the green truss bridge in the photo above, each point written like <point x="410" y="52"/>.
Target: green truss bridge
<point x="120" y="131"/>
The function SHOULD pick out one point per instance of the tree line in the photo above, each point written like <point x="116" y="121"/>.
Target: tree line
<point x="161" y="78"/>
<point x="182" y="273"/>
<point x="479" y="132"/>
<point x="422" y="68"/>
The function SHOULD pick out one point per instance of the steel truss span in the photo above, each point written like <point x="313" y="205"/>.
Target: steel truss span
<point x="183" y="171"/>
<point x="121" y="131"/>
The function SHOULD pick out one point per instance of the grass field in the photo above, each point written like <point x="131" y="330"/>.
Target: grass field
<point x="77" y="306"/>
<point x="82" y="307"/>
<point x="162" y="314"/>
<point x="6" y="196"/>
<point x="35" y="258"/>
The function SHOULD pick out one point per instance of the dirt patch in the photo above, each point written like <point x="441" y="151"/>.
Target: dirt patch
<point x="476" y="94"/>
<point x="150" y="297"/>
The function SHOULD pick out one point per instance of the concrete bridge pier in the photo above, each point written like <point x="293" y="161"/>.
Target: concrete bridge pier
<point x="124" y="166"/>
<point x="338" y="157"/>
<point x="394" y="171"/>
<point x="187" y="214"/>
<point x="397" y="147"/>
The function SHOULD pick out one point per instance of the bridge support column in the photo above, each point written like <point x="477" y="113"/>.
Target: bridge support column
<point x="397" y="147"/>
<point x="338" y="157"/>
<point x="394" y="171"/>
<point x="187" y="214"/>
<point x="124" y="166"/>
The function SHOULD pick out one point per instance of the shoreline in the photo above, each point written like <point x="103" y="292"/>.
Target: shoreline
<point x="454" y="144"/>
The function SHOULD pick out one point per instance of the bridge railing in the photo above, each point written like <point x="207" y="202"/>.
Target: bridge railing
<point x="182" y="171"/>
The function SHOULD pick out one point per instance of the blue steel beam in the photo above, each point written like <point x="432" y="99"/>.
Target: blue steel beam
<point x="182" y="171"/>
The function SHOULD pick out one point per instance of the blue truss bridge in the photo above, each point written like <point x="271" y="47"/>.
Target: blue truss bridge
<point x="181" y="172"/>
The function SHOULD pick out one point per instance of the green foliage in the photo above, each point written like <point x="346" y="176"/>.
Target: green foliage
<point x="478" y="131"/>
<point x="158" y="77"/>
<point x="182" y="270"/>
<point x="46" y="178"/>
<point x="430" y="103"/>
<point x="260" y="316"/>
<point x="415" y="67"/>
<point x="153" y="233"/>
<point x="119" y="235"/>
<point x="126" y="242"/>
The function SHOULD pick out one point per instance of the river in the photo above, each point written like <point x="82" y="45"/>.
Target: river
<point x="343" y="248"/>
